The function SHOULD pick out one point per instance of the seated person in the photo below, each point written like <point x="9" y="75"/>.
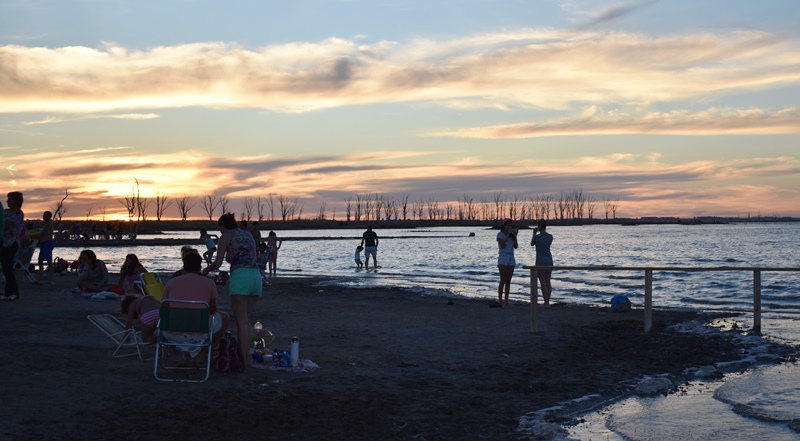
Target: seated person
<point x="146" y="310"/>
<point x="131" y="273"/>
<point x="197" y="287"/>
<point x="92" y="273"/>
<point x="184" y="249"/>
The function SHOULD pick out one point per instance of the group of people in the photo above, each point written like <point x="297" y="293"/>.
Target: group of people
<point x="235" y="246"/>
<point x="369" y="245"/>
<point x="507" y="242"/>
<point x="266" y="252"/>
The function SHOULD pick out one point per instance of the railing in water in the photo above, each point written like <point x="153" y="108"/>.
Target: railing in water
<point x="648" y="286"/>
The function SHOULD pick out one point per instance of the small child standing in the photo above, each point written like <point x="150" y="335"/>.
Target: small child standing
<point x="46" y="245"/>
<point x="211" y="245"/>
<point x="359" y="249"/>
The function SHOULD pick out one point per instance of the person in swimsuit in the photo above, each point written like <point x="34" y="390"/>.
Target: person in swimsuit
<point x="146" y="310"/>
<point x="273" y="245"/>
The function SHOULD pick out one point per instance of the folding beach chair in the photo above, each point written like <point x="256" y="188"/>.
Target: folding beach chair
<point x="115" y="330"/>
<point x="185" y="329"/>
<point x="22" y="262"/>
<point x="152" y="285"/>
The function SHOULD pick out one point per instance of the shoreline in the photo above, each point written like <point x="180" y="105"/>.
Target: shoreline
<point x="412" y="365"/>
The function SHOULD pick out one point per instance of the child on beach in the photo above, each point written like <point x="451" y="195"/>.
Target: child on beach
<point x="359" y="249"/>
<point x="208" y="239"/>
<point x="46" y="245"/>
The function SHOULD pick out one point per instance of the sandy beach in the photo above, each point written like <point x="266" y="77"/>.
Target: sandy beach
<point x="394" y="365"/>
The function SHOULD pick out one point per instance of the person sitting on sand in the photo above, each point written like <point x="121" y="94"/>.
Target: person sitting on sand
<point x="92" y="272"/>
<point x="146" y="310"/>
<point x="131" y="274"/>
<point x="184" y="249"/>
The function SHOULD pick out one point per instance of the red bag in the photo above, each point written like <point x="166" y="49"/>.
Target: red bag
<point x="228" y="358"/>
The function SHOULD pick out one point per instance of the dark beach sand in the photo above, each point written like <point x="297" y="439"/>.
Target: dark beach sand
<point x="394" y="365"/>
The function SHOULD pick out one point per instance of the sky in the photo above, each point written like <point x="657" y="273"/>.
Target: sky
<point x="671" y="107"/>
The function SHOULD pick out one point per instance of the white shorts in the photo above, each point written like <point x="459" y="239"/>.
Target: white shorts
<point x="506" y="259"/>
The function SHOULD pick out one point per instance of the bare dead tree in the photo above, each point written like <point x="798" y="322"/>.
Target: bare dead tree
<point x="367" y="202"/>
<point x="449" y="209"/>
<point x="61" y="209"/>
<point x="287" y="206"/>
<point x="499" y="201"/>
<point x="404" y="206"/>
<point x="615" y="207"/>
<point x="224" y="204"/>
<point x="143" y="205"/>
<point x="162" y="203"/>
<point x="210" y="202"/>
<point x="129" y="202"/>
<point x="271" y="203"/>
<point x="248" y="205"/>
<point x="103" y="213"/>
<point x="185" y="204"/>
<point x="88" y="213"/>
<point x="591" y="203"/>
<point x="260" y="205"/>
<point x="348" y="202"/>
<point x="321" y="214"/>
<point x="607" y="202"/>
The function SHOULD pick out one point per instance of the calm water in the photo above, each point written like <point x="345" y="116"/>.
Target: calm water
<point x="448" y="261"/>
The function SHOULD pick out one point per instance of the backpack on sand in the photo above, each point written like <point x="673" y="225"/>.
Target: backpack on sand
<point x="228" y="358"/>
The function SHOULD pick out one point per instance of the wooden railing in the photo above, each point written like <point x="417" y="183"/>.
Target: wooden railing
<point x="648" y="286"/>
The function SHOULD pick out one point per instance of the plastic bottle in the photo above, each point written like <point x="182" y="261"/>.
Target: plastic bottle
<point x="256" y="342"/>
<point x="258" y="325"/>
<point x="295" y="357"/>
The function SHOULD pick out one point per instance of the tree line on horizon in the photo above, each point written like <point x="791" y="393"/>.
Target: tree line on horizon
<point x="375" y="207"/>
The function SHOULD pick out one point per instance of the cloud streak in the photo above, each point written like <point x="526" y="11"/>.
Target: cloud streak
<point x="531" y="68"/>
<point x="714" y="121"/>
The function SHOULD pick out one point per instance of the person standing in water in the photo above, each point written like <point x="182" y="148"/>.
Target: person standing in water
<point x="369" y="240"/>
<point x="542" y="242"/>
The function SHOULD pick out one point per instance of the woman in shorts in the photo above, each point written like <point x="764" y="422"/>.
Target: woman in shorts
<point x="506" y="243"/>
<point x="237" y="247"/>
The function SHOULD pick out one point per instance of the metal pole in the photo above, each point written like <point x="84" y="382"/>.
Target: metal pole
<point x="534" y="300"/>
<point x="757" y="301"/>
<point x="648" y="300"/>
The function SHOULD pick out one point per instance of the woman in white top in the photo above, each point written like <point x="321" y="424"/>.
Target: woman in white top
<point x="506" y="243"/>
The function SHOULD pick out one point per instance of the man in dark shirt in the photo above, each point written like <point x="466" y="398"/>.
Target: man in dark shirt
<point x="369" y="240"/>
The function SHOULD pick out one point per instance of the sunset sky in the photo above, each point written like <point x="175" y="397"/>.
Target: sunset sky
<point x="675" y="108"/>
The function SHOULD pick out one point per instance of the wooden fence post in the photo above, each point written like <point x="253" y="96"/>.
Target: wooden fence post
<point x="757" y="301"/>
<point x="534" y="300"/>
<point x="648" y="300"/>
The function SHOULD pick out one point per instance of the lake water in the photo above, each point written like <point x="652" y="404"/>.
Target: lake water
<point x="448" y="261"/>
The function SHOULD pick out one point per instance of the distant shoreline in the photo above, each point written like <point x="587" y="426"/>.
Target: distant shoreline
<point x="159" y="227"/>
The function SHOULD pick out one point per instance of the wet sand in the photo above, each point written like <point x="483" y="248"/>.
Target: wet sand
<point x="394" y="365"/>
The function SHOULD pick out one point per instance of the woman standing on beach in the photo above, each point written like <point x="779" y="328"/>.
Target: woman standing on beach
<point x="507" y="243"/>
<point x="542" y="242"/>
<point x="238" y="248"/>
<point x="273" y="245"/>
<point x="12" y="230"/>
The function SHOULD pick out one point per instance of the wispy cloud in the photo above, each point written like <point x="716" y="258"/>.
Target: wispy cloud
<point x="532" y="68"/>
<point x="715" y="121"/>
<point x="61" y="119"/>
